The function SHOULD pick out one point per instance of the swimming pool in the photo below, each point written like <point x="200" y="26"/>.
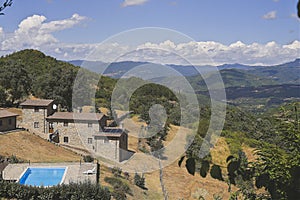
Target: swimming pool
<point x="40" y="176"/>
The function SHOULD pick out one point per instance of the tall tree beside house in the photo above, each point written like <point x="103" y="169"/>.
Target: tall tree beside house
<point x="15" y="79"/>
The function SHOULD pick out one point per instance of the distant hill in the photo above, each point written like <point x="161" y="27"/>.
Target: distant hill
<point x="232" y="78"/>
<point x="236" y="66"/>
<point x="114" y="70"/>
<point x="288" y="73"/>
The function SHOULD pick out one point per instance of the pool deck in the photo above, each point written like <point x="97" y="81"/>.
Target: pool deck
<point x="74" y="171"/>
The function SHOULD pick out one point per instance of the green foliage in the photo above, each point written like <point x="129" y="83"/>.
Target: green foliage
<point x="216" y="172"/>
<point x="31" y="72"/>
<point x="191" y="166"/>
<point x="120" y="188"/>
<point x="14" y="159"/>
<point x="104" y="91"/>
<point x="81" y="191"/>
<point x="116" y="171"/>
<point x="150" y="94"/>
<point x="139" y="180"/>
<point x="3" y="96"/>
<point x="278" y="167"/>
<point x="241" y="173"/>
<point x="15" y="79"/>
<point x="88" y="158"/>
<point x="204" y="168"/>
<point x="217" y="197"/>
<point x="126" y="175"/>
<point x="156" y="142"/>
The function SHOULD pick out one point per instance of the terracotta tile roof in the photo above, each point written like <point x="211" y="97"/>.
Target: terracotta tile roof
<point x="5" y="113"/>
<point x="39" y="102"/>
<point x="76" y="116"/>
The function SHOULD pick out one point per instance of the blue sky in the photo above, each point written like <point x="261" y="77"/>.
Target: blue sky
<point x="222" y="21"/>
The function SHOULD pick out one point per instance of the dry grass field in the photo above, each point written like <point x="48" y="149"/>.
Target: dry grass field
<point x="27" y="146"/>
<point x="178" y="182"/>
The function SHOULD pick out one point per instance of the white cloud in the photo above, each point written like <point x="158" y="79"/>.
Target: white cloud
<point x="34" y="32"/>
<point x="133" y="2"/>
<point x="270" y="15"/>
<point x="210" y="52"/>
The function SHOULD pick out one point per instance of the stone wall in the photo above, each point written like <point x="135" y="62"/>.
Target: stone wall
<point x="107" y="147"/>
<point x="77" y="133"/>
<point x="30" y="116"/>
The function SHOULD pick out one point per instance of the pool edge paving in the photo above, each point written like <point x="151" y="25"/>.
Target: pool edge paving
<point x="73" y="173"/>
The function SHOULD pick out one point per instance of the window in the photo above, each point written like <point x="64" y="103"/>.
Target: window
<point x="90" y="140"/>
<point x="106" y="140"/>
<point x="90" y="125"/>
<point x="36" y="124"/>
<point x="36" y="109"/>
<point x="9" y="121"/>
<point x="66" y="139"/>
<point x="65" y="123"/>
<point x="0" y="122"/>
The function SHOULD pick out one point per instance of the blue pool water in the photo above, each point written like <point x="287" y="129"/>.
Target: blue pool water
<point x="42" y="176"/>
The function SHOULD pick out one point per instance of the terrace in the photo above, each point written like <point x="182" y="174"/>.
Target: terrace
<point x="75" y="173"/>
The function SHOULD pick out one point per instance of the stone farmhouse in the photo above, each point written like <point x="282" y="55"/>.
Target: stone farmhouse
<point x="35" y="113"/>
<point x="76" y="130"/>
<point x="8" y="121"/>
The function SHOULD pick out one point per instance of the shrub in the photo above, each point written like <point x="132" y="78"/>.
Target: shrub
<point x="116" y="171"/>
<point x="216" y="172"/>
<point x="139" y="180"/>
<point x="118" y="184"/>
<point x="74" y="191"/>
<point x="120" y="187"/>
<point x="14" y="159"/>
<point x="88" y="158"/>
<point x="126" y="175"/>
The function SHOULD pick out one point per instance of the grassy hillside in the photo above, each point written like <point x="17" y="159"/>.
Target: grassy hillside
<point x="27" y="146"/>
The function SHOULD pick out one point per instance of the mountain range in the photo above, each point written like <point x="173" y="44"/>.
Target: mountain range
<point x="288" y="73"/>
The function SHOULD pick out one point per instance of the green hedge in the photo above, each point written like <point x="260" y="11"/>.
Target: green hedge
<point x="81" y="191"/>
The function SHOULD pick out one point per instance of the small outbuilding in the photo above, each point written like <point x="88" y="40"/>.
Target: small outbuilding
<point x="8" y="121"/>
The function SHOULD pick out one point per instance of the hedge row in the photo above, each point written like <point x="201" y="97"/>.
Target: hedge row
<point x="81" y="191"/>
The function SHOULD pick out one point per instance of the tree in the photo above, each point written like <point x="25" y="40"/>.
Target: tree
<point x="3" y="96"/>
<point x="139" y="180"/>
<point x="278" y="167"/>
<point x="241" y="173"/>
<point x="15" y="80"/>
<point x="298" y="8"/>
<point x="6" y="4"/>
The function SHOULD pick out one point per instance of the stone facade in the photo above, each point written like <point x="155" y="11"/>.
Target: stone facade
<point x="74" y="134"/>
<point x="90" y="134"/>
<point x="112" y="147"/>
<point x="81" y="130"/>
<point x="35" y="114"/>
